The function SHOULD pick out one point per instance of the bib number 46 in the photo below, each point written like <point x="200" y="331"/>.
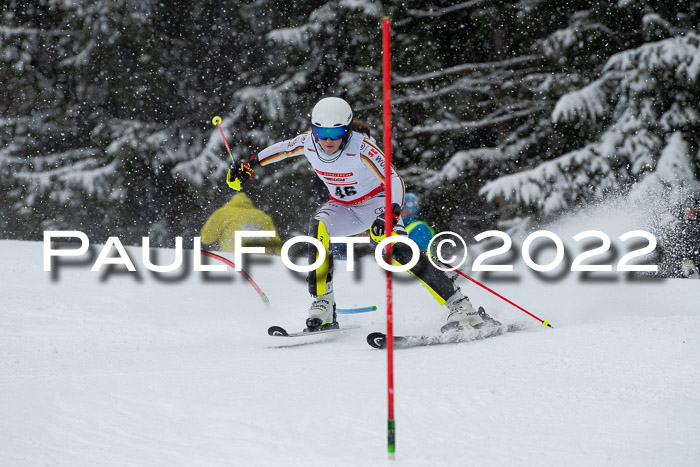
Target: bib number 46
<point x="341" y="192"/>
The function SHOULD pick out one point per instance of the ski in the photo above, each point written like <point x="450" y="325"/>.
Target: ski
<point x="309" y="337"/>
<point x="277" y="331"/>
<point x="378" y="339"/>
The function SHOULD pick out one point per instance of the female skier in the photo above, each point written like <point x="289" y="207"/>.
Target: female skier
<point x="352" y="167"/>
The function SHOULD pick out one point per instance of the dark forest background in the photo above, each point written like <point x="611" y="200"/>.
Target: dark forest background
<point x="506" y="114"/>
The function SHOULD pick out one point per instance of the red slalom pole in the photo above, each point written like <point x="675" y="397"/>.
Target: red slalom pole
<point x="386" y="50"/>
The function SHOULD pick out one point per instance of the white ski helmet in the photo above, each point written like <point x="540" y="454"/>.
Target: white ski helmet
<point x="332" y="118"/>
<point x="331" y="112"/>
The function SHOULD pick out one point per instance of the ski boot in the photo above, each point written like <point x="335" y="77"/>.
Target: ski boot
<point x="322" y="314"/>
<point x="463" y="315"/>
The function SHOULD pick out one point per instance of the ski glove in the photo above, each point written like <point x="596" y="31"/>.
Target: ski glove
<point x="237" y="175"/>
<point x="377" y="229"/>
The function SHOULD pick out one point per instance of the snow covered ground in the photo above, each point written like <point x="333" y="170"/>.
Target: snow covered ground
<point x="118" y="369"/>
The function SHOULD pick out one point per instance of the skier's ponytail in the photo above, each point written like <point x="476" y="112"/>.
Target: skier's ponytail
<point x="360" y="127"/>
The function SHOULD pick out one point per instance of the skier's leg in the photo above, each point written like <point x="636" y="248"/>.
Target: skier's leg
<point x="461" y="311"/>
<point x="332" y="219"/>
<point x="438" y="284"/>
<point x="320" y="279"/>
<point x="322" y="311"/>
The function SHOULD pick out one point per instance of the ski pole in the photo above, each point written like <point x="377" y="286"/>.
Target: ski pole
<point x="235" y="184"/>
<point x="243" y="273"/>
<point x="217" y="122"/>
<point x="352" y="311"/>
<point x="545" y="323"/>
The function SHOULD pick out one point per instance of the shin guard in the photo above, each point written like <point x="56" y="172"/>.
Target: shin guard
<point x="321" y="279"/>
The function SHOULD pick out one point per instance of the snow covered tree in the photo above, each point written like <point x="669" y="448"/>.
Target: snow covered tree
<point x="502" y="110"/>
<point x="105" y="100"/>
<point x="311" y="51"/>
<point x="625" y="120"/>
<point x="467" y="98"/>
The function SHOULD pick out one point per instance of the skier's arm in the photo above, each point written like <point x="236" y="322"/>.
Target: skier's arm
<point x="398" y="189"/>
<point x="374" y="157"/>
<point x="283" y="150"/>
<point x="239" y="174"/>
<point x="377" y="229"/>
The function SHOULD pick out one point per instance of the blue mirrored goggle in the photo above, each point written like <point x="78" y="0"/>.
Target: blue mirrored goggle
<point x="334" y="133"/>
